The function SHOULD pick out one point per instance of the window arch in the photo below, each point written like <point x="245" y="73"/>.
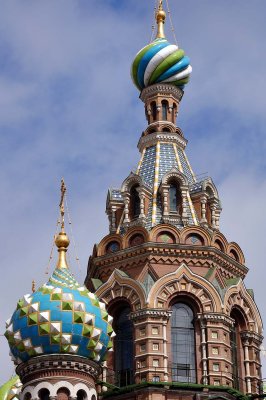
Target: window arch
<point x="164" y="110"/>
<point x="175" y="198"/>
<point x="123" y="346"/>
<point x="183" y="343"/>
<point x="44" y="394"/>
<point x="135" y="202"/>
<point x="81" y="395"/>
<point x="63" y="394"/>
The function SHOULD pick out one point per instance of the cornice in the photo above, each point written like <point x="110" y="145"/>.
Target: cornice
<point x="150" y="313"/>
<point x="163" y="90"/>
<point x="56" y="363"/>
<point x="167" y="137"/>
<point x="149" y="249"/>
<point x="216" y="317"/>
<point x="251" y="336"/>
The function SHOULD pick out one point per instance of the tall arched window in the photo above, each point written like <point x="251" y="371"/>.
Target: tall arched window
<point x="123" y="347"/>
<point x="164" y="110"/>
<point x="183" y="344"/>
<point x="175" y="199"/>
<point x="237" y="355"/>
<point x="154" y="110"/>
<point x="135" y="202"/>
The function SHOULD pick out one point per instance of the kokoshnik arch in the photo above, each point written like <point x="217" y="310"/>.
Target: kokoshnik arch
<point x="185" y="325"/>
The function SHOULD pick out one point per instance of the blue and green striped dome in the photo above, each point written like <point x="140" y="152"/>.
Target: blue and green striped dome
<point x="160" y="62"/>
<point x="60" y="317"/>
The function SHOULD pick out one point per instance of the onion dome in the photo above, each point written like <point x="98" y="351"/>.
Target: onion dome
<point x="11" y="389"/>
<point x="60" y="317"/>
<point x="160" y="61"/>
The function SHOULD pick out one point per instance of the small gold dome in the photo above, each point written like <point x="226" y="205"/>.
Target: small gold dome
<point x="62" y="240"/>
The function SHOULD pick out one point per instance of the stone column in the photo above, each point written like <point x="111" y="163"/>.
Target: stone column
<point x="184" y="205"/>
<point x="218" y="213"/>
<point x="203" y="201"/>
<point x="247" y="366"/>
<point x="142" y="205"/>
<point x="165" y="193"/>
<point x="213" y="216"/>
<point x="113" y="219"/>
<point x="165" y="361"/>
<point x="204" y="354"/>
<point x="126" y="210"/>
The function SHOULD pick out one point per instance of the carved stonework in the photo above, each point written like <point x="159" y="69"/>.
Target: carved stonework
<point x="49" y="366"/>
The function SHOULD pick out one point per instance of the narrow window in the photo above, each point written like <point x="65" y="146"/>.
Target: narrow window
<point x="173" y="197"/>
<point x="123" y="347"/>
<point x="135" y="202"/>
<point x="183" y="344"/>
<point x="154" y="110"/>
<point x="164" y="110"/>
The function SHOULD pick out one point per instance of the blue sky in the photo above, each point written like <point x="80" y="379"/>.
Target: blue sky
<point x="68" y="108"/>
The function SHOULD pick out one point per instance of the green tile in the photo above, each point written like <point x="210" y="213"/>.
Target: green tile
<point x="44" y="329"/>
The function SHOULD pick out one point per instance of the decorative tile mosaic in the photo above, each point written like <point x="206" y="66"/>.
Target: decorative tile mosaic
<point x="11" y="389"/>
<point x="60" y="317"/>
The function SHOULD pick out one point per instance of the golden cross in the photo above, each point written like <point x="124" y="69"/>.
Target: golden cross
<point x="61" y="204"/>
<point x="161" y="5"/>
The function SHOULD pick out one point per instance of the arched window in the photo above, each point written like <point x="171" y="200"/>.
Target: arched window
<point x="183" y="344"/>
<point x="81" y="395"/>
<point x="237" y="355"/>
<point x="174" y="111"/>
<point x="123" y="346"/>
<point x="63" y="394"/>
<point x="175" y="199"/>
<point x="135" y="202"/>
<point x="44" y="394"/>
<point x="164" y="110"/>
<point x="154" y="110"/>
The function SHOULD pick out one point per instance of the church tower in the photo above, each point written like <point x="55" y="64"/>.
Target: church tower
<point x="186" y="326"/>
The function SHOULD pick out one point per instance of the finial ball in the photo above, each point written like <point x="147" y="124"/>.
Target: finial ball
<point x="62" y="240"/>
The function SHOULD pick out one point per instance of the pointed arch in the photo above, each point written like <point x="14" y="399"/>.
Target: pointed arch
<point x="193" y="285"/>
<point x="119" y="285"/>
<point x="237" y="296"/>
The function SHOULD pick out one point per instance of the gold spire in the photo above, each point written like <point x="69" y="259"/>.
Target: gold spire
<point x="33" y="286"/>
<point x="62" y="240"/>
<point x="160" y="18"/>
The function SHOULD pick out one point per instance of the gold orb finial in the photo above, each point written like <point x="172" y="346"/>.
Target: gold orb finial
<point x="62" y="241"/>
<point x="160" y="18"/>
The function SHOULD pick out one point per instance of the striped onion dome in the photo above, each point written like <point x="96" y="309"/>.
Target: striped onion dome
<point x="160" y="62"/>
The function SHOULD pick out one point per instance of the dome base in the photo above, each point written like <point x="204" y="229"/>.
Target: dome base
<point x="52" y="372"/>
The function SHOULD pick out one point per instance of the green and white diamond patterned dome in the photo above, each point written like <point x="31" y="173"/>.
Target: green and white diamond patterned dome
<point x="160" y="61"/>
<point x="60" y="317"/>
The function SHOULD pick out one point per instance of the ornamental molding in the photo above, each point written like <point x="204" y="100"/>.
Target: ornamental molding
<point x="163" y="90"/>
<point x="155" y="313"/>
<point x="177" y="253"/>
<point x="251" y="336"/>
<point x="153" y="138"/>
<point x="55" y="364"/>
<point x="215" y="317"/>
